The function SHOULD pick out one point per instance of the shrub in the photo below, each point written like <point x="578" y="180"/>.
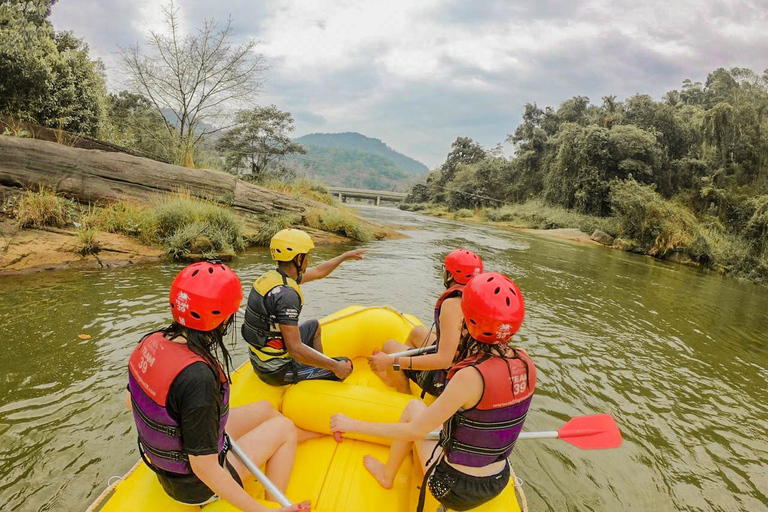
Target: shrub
<point x="271" y="224"/>
<point x="661" y="227"/>
<point x="303" y="188"/>
<point x="189" y="225"/>
<point x="128" y="219"/>
<point x="41" y="209"/>
<point x="338" y="222"/>
<point x="463" y="214"/>
<point x="88" y="242"/>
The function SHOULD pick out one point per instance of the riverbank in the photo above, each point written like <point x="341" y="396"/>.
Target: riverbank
<point x="63" y="207"/>
<point x="668" y="233"/>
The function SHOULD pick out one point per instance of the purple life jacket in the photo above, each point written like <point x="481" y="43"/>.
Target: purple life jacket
<point x="153" y="366"/>
<point x="487" y="432"/>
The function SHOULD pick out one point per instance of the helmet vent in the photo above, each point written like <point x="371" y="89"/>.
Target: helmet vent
<point x="217" y="312"/>
<point x="173" y="306"/>
<point x="278" y="251"/>
<point x="195" y="272"/>
<point x="513" y="292"/>
<point x="210" y="270"/>
<point x="490" y="279"/>
<point x="487" y="334"/>
<point x="289" y="249"/>
<point x="509" y="302"/>
<point x="497" y="290"/>
<point x="472" y="322"/>
<point x="195" y="315"/>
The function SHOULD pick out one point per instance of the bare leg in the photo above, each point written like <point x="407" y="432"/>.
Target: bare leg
<point x="420" y="337"/>
<point x="317" y="343"/>
<point x="305" y="435"/>
<point x="397" y="380"/>
<point x="273" y="442"/>
<point x="385" y="473"/>
<point x="245" y="418"/>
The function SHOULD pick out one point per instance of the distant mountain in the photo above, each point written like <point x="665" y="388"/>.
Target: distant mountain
<point x="354" y="160"/>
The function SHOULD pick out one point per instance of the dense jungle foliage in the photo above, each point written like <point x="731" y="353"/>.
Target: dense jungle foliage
<point x="686" y="174"/>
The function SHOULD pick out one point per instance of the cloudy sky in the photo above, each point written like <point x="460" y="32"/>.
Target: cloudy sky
<point x="419" y="73"/>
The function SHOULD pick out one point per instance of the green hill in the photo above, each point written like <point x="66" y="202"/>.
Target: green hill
<point x="354" y="160"/>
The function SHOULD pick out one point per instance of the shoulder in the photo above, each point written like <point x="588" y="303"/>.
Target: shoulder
<point x="195" y="376"/>
<point x="283" y="295"/>
<point x="451" y="306"/>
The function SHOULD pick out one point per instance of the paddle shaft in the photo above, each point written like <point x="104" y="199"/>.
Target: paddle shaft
<point x="547" y="434"/>
<point x="415" y="351"/>
<point x="261" y="477"/>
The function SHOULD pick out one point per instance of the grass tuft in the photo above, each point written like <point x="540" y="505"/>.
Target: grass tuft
<point x="40" y="209"/>
<point x="338" y="222"/>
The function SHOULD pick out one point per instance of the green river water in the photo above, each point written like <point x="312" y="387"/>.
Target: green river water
<point x="678" y="356"/>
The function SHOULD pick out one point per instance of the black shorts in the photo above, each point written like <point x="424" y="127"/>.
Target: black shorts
<point x="293" y="371"/>
<point x="460" y="491"/>
<point x="430" y="381"/>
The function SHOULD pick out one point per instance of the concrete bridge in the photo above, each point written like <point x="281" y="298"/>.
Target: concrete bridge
<point x="374" y="195"/>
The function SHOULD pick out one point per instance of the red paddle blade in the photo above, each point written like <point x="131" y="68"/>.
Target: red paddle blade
<point x="596" y="432"/>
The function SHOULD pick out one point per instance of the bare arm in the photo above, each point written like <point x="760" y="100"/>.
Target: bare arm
<point x="325" y="268"/>
<point x="464" y="390"/>
<point x="450" y="334"/>
<point x="304" y="354"/>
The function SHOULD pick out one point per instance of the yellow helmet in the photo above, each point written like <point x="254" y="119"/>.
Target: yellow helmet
<point x="288" y="243"/>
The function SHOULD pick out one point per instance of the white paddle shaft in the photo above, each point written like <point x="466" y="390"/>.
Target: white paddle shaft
<point x="415" y="351"/>
<point x="261" y="477"/>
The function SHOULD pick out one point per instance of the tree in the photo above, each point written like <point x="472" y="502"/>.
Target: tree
<point x="463" y="151"/>
<point x="47" y="77"/>
<point x="259" y="140"/>
<point x="133" y="122"/>
<point x="198" y="77"/>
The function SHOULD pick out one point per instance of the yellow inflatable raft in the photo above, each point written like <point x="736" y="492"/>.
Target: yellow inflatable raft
<point x="329" y="474"/>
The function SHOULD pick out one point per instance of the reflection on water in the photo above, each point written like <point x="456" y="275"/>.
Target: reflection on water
<point x="677" y="356"/>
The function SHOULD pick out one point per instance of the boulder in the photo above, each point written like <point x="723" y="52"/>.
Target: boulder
<point x="602" y="237"/>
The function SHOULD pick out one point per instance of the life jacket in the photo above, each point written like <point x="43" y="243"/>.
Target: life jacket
<point x="152" y="368"/>
<point x="453" y="291"/>
<point x="487" y="432"/>
<point x="260" y="328"/>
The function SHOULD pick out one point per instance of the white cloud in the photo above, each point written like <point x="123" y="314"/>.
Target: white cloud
<point x="417" y="74"/>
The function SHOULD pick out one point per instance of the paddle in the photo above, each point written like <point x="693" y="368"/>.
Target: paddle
<point x="416" y="351"/>
<point x="261" y="477"/>
<point x="595" y="432"/>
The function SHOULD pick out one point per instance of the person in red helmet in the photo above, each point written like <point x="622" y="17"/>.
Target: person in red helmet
<point x="429" y="370"/>
<point x="178" y="390"/>
<point x="481" y="410"/>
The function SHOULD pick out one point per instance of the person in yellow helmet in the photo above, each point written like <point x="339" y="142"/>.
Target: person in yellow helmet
<point x="282" y="350"/>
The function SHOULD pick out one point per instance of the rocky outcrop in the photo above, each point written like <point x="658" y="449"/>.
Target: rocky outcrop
<point x="602" y="237"/>
<point x="91" y="176"/>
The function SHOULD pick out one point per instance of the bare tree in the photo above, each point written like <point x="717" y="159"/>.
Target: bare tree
<point x="201" y="78"/>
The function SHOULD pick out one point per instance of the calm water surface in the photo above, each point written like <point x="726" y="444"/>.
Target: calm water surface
<point x="678" y="356"/>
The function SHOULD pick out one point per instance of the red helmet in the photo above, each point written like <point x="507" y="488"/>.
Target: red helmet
<point x="204" y="295"/>
<point x="463" y="265"/>
<point x="493" y="308"/>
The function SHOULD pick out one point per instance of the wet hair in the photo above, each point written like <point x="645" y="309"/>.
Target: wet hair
<point x="207" y="344"/>
<point x="471" y="348"/>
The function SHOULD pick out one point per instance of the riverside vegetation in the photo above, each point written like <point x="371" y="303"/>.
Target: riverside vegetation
<point x="684" y="178"/>
<point x="185" y="226"/>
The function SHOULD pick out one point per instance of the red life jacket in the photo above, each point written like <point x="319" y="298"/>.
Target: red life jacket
<point x="453" y="291"/>
<point x="152" y="368"/>
<point x="487" y="432"/>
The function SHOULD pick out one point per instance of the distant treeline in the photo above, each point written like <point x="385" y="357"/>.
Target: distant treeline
<point x="697" y="159"/>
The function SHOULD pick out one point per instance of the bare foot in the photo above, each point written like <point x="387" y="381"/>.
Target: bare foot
<point x="379" y="471"/>
<point x="305" y="435"/>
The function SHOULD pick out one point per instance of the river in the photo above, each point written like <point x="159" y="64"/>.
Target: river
<point x="677" y="355"/>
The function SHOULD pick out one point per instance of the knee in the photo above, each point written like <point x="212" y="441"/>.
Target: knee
<point x="263" y="409"/>
<point x="391" y="346"/>
<point x="413" y="409"/>
<point x="288" y="429"/>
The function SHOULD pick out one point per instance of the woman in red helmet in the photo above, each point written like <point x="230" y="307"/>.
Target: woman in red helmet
<point x="429" y="370"/>
<point x="178" y="390"/>
<point x="482" y="408"/>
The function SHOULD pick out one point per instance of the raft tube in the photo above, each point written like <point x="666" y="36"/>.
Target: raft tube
<point x="329" y="474"/>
